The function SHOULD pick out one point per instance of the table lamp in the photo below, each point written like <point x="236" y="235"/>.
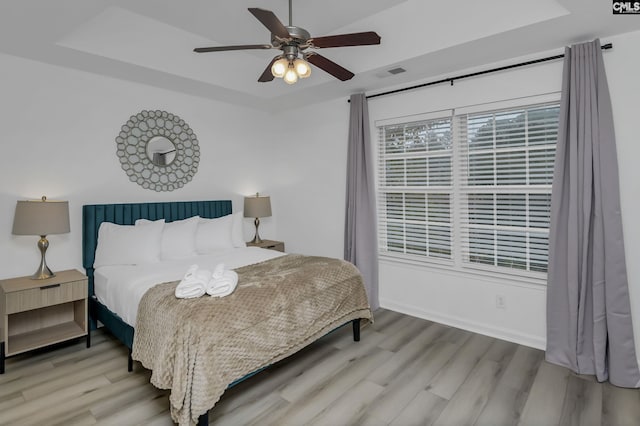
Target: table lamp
<point x="41" y="218"/>
<point x="257" y="207"/>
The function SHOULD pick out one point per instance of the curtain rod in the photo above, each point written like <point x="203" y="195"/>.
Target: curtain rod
<point x="473" y="74"/>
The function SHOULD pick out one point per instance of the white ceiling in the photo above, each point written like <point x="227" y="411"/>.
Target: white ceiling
<point x="151" y="41"/>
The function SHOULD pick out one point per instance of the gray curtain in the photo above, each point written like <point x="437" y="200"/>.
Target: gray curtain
<point x="589" y="327"/>
<point x="360" y="233"/>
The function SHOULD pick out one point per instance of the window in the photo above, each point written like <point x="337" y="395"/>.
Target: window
<point x="469" y="190"/>
<point x="415" y="188"/>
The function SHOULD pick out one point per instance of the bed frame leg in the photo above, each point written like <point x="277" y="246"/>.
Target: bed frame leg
<point x="129" y="362"/>
<point x="356" y="329"/>
<point x="2" y="357"/>
<point x="203" y="420"/>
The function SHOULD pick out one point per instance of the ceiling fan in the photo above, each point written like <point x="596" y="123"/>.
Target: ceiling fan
<point x="294" y="43"/>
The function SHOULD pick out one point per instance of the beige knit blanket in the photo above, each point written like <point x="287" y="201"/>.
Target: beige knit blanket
<point x="197" y="347"/>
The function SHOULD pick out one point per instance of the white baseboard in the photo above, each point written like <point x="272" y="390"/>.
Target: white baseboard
<point x="476" y="327"/>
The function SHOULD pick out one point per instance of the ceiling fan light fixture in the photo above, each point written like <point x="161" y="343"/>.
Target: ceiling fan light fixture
<point x="302" y="68"/>
<point x="290" y="76"/>
<point x="293" y="62"/>
<point x="279" y="67"/>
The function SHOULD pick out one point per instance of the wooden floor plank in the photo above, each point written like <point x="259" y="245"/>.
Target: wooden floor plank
<point x="401" y="390"/>
<point x="350" y="407"/>
<point x="144" y="408"/>
<point x="252" y="412"/>
<point x="47" y="403"/>
<point x="78" y="376"/>
<point x="507" y="401"/>
<point x="469" y="401"/>
<point x="316" y="399"/>
<point x="106" y="407"/>
<point x="423" y="410"/>
<point x="86" y="399"/>
<point x="15" y="400"/>
<point x="84" y="418"/>
<point x="391" y="377"/>
<point x="454" y="373"/>
<point x="383" y="318"/>
<point x="271" y="380"/>
<point x="18" y="373"/>
<point x="620" y="406"/>
<point x="408" y="354"/>
<point x="582" y="405"/>
<point x="325" y="369"/>
<point x="400" y="333"/>
<point x="544" y="405"/>
<point x="55" y="373"/>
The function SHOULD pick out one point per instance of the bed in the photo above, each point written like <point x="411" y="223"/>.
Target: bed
<point x="281" y="327"/>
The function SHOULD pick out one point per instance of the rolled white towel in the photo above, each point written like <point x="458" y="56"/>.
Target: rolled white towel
<point x="190" y="289"/>
<point x="194" y="283"/>
<point x="204" y="276"/>
<point x="218" y="271"/>
<point x="223" y="286"/>
<point x="190" y="272"/>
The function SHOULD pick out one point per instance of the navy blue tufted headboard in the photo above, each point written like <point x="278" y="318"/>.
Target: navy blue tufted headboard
<point x="126" y="214"/>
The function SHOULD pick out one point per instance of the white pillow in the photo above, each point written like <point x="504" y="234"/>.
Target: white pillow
<point x="237" y="232"/>
<point x="214" y="234"/>
<point x="178" y="237"/>
<point x="127" y="244"/>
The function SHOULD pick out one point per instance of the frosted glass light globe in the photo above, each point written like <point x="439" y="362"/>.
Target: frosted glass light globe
<point x="302" y="68"/>
<point x="290" y="76"/>
<point x="279" y="67"/>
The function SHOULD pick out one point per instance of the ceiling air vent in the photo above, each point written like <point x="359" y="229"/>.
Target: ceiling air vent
<point x="398" y="70"/>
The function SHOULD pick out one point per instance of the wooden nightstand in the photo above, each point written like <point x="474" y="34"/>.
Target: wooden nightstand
<point x="38" y="313"/>
<point x="269" y="244"/>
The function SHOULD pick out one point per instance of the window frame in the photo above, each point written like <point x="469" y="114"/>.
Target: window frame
<point x="457" y="190"/>
<point x="413" y="189"/>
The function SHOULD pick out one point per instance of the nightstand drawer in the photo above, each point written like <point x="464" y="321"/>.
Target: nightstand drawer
<point x="268" y="244"/>
<point x="277" y="246"/>
<point x="46" y="295"/>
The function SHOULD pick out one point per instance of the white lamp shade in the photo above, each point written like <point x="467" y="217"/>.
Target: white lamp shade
<point x="257" y="207"/>
<point x="41" y="218"/>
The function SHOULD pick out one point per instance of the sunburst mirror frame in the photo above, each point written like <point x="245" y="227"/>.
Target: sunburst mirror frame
<point x="132" y="142"/>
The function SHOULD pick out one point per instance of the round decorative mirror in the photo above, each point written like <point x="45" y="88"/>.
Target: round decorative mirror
<point x="161" y="151"/>
<point x="158" y="150"/>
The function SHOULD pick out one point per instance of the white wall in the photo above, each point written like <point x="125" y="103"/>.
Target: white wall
<point x="309" y="180"/>
<point x="623" y="68"/>
<point x="464" y="300"/>
<point x="58" y="139"/>
<point x="309" y="224"/>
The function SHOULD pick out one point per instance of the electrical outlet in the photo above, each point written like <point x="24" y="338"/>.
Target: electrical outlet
<point x="501" y="302"/>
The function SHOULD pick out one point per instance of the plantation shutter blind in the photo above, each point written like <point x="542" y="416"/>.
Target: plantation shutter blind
<point x="505" y="173"/>
<point x="415" y="175"/>
<point x="470" y="189"/>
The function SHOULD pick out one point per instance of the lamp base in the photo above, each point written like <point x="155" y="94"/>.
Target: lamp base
<point x="256" y="238"/>
<point x="43" y="271"/>
<point x="43" y="275"/>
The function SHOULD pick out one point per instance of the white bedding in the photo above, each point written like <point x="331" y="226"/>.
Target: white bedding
<point x="121" y="287"/>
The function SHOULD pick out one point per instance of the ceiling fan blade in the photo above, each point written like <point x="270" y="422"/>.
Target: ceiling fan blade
<point x="329" y="66"/>
<point x="340" y="40"/>
<point x="270" y="21"/>
<point x="226" y="48"/>
<point x="266" y="74"/>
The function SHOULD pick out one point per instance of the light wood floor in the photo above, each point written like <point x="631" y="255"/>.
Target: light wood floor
<point x="405" y="371"/>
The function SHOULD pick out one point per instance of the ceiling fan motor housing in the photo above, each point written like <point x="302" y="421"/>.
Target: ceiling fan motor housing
<point x="298" y="36"/>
